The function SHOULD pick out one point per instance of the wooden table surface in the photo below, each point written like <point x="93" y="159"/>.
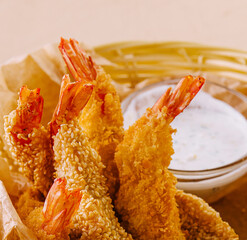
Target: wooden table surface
<point x="233" y="209"/>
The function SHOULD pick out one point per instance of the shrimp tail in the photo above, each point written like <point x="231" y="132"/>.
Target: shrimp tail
<point x="29" y="111"/>
<point x="79" y="64"/>
<point x="59" y="207"/>
<point x="73" y="98"/>
<point x="178" y="99"/>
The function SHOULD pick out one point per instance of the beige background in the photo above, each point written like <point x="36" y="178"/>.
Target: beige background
<point x="26" y="25"/>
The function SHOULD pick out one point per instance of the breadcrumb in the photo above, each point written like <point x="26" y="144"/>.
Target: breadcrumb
<point x="146" y="198"/>
<point x="200" y="221"/>
<point x="80" y="164"/>
<point x="106" y="132"/>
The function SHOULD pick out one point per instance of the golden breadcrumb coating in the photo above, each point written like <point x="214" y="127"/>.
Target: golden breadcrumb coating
<point x="200" y="221"/>
<point x="35" y="220"/>
<point x="102" y="121"/>
<point x="146" y="198"/>
<point x="28" y="201"/>
<point x="49" y="219"/>
<point x="80" y="164"/>
<point x="29" y="208"/>
<point x="33" y="156"/>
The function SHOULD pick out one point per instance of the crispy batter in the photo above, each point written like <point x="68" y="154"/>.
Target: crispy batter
<point x="34" y="221"/>
<point x="31" y="215"/>
<point x="102" y="118"/>
<point x="34" y="157"/>
<point x="106" y="132"/>
<point x="146" y="198"/>
<point x="28" y="201"/>
<point x="81" y="165"/>
<point x="200" y="221"/>
<point x="29" y="208"/>
<point x="76" y="160"/>
<point x="29" y="141"/>
<point x="49" y="220"/>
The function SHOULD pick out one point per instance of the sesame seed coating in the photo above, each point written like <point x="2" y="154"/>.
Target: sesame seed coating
<point x="34" y="157"/>
<point x="80" y="164"/>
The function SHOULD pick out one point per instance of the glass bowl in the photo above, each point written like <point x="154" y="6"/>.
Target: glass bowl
<point x="210" y="183"/>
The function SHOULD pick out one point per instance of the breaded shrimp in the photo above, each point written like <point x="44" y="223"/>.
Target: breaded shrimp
<point x="146" y="198"/>
<point x="50" y="220"/>
<point x="102" y="118"/>
<point x="200" y="221"/>
<point x="81" y="165"/>
<point x="28" y="201"/>
<point x="29" y="141"/>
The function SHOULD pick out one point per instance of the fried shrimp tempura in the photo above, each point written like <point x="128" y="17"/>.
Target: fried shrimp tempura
<point x="50" y="220"/>
<point x="76" y="160"/>
<point x="200" y="221"/>
<point x="28" y="201"/>
<point x="102" y="118"/>
<point x="29" y="141"/>
<point x="146" y="198"/>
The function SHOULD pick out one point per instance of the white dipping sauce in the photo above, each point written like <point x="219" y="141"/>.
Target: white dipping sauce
<point x="210" y="133"/>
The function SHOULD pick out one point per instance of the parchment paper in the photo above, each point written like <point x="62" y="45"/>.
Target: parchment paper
<point x="11" y="227"/>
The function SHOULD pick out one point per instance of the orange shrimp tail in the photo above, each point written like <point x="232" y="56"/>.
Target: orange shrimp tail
<point x="79" y="64"/>
<point x="178" y="99"/>
<point x="59" y="207"/>
<point x="29" y="111"/>
<point x="73" y="98"/>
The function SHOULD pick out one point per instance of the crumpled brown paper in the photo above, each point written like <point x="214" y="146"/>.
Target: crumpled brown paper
<point x="11" y="227"/>
<point x="42" y="69"/>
